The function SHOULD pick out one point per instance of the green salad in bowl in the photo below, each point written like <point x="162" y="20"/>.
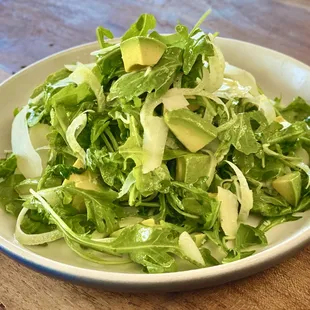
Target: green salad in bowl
<point x="157" y="153"/>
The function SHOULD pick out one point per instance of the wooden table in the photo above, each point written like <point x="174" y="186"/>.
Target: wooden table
<point x="33" y="29"/>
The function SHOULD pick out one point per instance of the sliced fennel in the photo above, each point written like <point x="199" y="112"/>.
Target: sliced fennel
<point x="197" y="91"/>
<point x="34" y="239"/>
<point x="130" y="180"/>
<point x="190" y="249"/>
<point x="231" y="89"/>
<point x="155" y="136"/>
<point x="71" y="67"/>
<point x="265" y="105"/>
<point x="38" y="136"/>
<point x="75" y="128"/>
<point x="228" y="211"/>
<point x="246" y="195"/>
<point x="29" y="161"/>
<point x="242" y="76"/>
<point x="82" y="74"/>
<point x="213" y="71"/>
<point x="175" y="102"/>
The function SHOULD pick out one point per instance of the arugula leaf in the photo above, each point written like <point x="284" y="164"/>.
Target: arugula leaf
<point x="101" y="33"/>
<point x="8" y="166"/>
<point x="177" y="39"/>
<point x="140" y="237"/>
<point x="304" y="204"/>
<point x="132" y="148"/>
<point x="140" y="27"/>
<point x="248" y="236"/>
<point x="269" y="222"/>
<point x="35" y="223"/>
<point x="99" y="206"/>
<point x="208" y="258"/>
<point x="156" y="180"/>
<point x="72" y="95"/>
<point x="272" y="169"/>
<point x="244" y="162"/>
<point x="241" y="134"/>
<point x="98" y="127"/>
<point x="9" y="199"/>
<point x="270" y="206"/>
<point x="197" y="44"/>
<point x="233" y="255"/>
<point x="154" y="261"/>
<point x="297" y="110"/>
<point x="291" y="133"/>
<point x="159" y="78"/>
<point x="109" y="65"/>
<point x="50" y="80"/>
<point x="96" y="256"/>
<point x="109" y="164"/>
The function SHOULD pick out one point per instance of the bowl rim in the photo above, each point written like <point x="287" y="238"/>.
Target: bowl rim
<point x="123" y="281"/>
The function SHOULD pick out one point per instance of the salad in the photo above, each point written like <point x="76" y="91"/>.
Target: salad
<point x="158" y="153"/>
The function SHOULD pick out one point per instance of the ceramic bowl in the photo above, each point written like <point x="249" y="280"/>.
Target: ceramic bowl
<point x="277" y="75"/>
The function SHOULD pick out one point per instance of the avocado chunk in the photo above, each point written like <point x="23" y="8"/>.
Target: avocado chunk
<point x="193" y="131"/>
<point x="84" y="180"/>
<point x="139" y="52"/>
<point x="191" y="167"/>
<point x="289" y="187"/>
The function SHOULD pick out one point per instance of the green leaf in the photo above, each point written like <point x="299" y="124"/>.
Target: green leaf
<point x="304" y="203"/>
<point x="249" y="236"/>
<point x="177" y="39"/>
<point x="297" y="110"/>
<point x="109" y="165"/>
<point x="100" y="209"/>
<point x="8" y="166"/>
<point x="197" y="44"/>
<point x="157" y="180"/>
<point x="109" y="64"/>
<point x="132" y="148"/>
<point x="241" y="134"/>
<point x="96" y="256"/>
<point x="72" y="95"/>
<point x="291" y="133"/>
<point x="9" y="199"/>
<point x="272" y="169"/>
<point x="140" y="27"/>
<point x="159" y="78"/>
<point x="270" y="206"/>
<point x="244" y="162"/>
<point x="269" y="222"/>
<point x="35" y="223"/>
<point x="208" y="258"/>
<point x="139" y="237"/>
<point x="51" y="79"/>
<point x="233" y="256"/>
<point x="101" y="33"/>
<point x="98" y="127"/>
<point x="154" y="261"/>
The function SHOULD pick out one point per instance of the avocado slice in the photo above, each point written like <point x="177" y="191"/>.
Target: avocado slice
<point x="139" y="52"/>
<point x="193" y="131"/>
<point x="191" y="167"/>
<point x="289" y="187"/>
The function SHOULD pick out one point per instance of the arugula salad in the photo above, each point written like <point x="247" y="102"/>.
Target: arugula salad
<point x="158" y="153"/>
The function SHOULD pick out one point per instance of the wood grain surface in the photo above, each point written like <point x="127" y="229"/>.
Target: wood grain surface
<point x="33" y="29"/>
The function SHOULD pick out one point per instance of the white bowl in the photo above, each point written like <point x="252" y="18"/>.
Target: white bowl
<point x="277" y="75"/>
